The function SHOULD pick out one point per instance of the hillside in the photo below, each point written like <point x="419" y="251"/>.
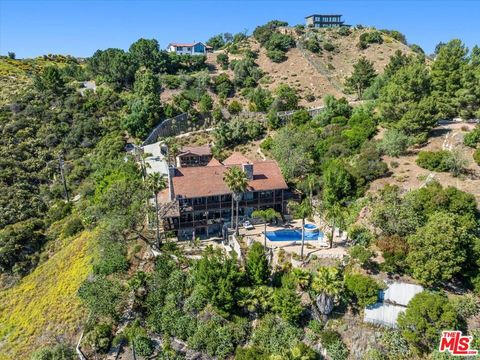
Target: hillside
<point x="317" y="74"/>
<point x="43" y="308"/>
<point x="405" y="173"/>
<point x="17" y="75"/>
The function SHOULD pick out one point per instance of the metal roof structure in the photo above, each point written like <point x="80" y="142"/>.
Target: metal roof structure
<point x="392" y="302"/>
<point x="400" y="293"/>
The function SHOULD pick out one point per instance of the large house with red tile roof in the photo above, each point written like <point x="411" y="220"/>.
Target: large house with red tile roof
<point x="194" y="48"/>
<point x="198" y="200"/>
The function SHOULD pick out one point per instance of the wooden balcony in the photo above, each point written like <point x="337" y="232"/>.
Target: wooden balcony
<point x="228" y="204"/>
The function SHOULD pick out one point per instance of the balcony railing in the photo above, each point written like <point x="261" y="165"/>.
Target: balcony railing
<point x="228" y="204"/>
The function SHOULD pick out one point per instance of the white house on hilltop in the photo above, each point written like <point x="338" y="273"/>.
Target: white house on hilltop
<point x="195" y="48"/>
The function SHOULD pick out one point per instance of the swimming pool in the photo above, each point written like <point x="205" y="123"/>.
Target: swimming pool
<point x="293" y="235"/>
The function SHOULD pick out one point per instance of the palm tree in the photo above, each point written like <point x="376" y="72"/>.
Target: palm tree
<point x="302" y="210"/>
<point x="266" y="215"/>
<point x="327" y="284"/>
<point x="334" y="215"/>
<point x="156" y="182"/>
<point x="237" y="182"/>
<point x="173" y="148"/>
<point x="256" y="300"/>
<point x="310" y="184"/>
<point x="302" y="277"/>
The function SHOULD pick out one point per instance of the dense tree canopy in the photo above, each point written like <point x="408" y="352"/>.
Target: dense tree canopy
<point x="427" y="315"/>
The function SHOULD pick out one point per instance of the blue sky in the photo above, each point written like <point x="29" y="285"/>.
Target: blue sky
<point x="32" y="28"/>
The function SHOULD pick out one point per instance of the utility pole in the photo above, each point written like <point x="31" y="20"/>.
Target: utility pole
<point x="62" y="163"/>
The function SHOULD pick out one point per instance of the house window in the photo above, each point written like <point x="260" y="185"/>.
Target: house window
<point x="179" y="48"/>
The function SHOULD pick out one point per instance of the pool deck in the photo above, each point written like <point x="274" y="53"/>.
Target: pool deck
<point x="311" y="246"/>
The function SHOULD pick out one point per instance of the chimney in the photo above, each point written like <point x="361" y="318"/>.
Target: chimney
<point x="171" y="191"/>
<point x="248" y="169"/>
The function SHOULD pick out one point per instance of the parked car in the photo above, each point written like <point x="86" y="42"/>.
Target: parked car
<point x="248" y="225"/>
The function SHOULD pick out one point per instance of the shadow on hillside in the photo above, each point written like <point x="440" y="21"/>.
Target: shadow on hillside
<point x="438" y="132"/>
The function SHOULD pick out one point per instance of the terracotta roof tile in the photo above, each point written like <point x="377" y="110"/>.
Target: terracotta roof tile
<point x="236" y="159"/>
<point x="214" y="162"/>
<point x="196" y="150"/>
<point x="208" y="180"/>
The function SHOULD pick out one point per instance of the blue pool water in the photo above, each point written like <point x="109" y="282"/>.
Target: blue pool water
<point x="292" y="235"/>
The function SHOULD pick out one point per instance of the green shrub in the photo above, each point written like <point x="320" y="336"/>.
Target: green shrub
<point x="263" y="33"/>
<point x="300" y="117"/>
<point x="278" y="41"/>
<point x="394" y="143"/>
<point x="99" y="337"/>
<point x="235" y="107"/>
<point x="206" y="103"/>
<point x="329" y="337"/>
<point x="328" y="46"/>
<point x="312" y="45"/>
<point x="58" y="352"/>
<point x="101" y="296"/>
<point x="218" y="337"/>
<point x="433" y="160"/>
<point x="332" y="342"/>
<point x="315" y="328"/>
<point x="273" y="120"/>
<point x="246" y="72"/>
<point x="113" y="259"/>
<point x="237" y="131"/>
<point x="222" y="59"/>
<point x="73" y="226"/>
<point x="394" y="251"/>
<point x="286" y="335"/>
<point x="223" y="86"/>
<point x="144" y="346"/>
<point x="361" y="254"/>
<point x="256" y="267"/>
<point x="476" y="156"/>
<point x="170" y="81"/>
<point x="472" y="138"/>
<point x="397" y="35"/>
<point x="417" y="49"/>
<point x="277" y="56"/>
<point x="344" y="31"/>
<point x="338" y="351"/>
<point x="267" y="143"/>
<point x="251" y="352"/>
<point x="360" y="235"/>
<point x="374" y="37"/>
<point x="363" y="289"/>
<point x="427" y="314"/>
<point x="59" y="210"/>
<point x="18" y="242"/>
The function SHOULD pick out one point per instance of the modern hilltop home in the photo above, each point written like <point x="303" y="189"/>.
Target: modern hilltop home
<point x="321" y="21"/>
<point x="198" y="201"/>
<point x="195" y="48"/>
